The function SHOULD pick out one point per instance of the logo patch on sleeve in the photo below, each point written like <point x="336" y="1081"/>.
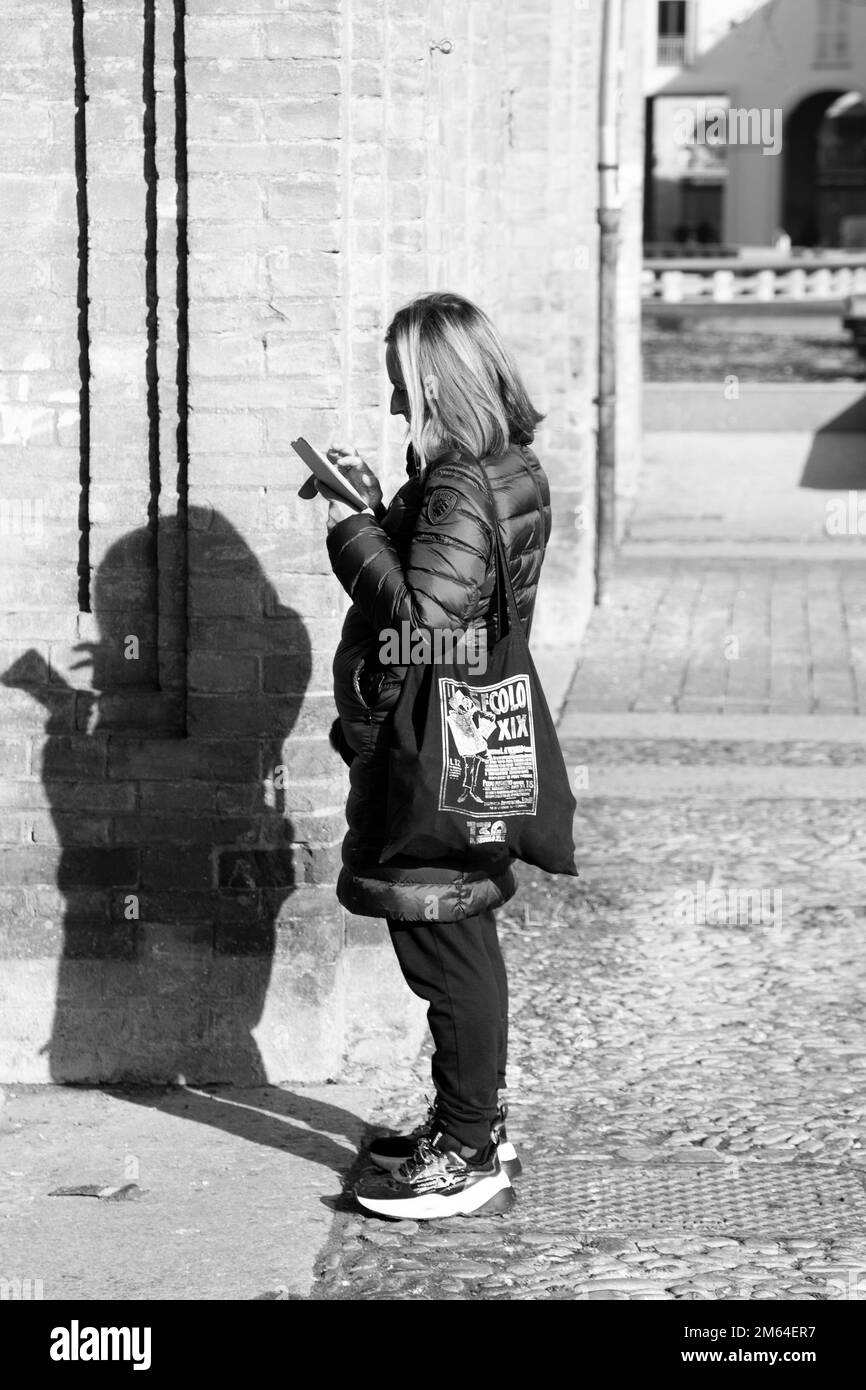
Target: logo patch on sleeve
<point x="440" y="504"/>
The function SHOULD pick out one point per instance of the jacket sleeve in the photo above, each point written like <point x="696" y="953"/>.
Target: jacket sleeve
<point x="449" y="555"/>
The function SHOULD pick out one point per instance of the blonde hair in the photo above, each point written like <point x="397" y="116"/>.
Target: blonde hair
<point x="463" y="387"/>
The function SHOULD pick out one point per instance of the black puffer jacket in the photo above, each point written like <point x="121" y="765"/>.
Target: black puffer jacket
<point x="428" y="561"/>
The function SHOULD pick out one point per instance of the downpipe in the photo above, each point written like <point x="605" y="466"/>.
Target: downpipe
<point x="609" y="215"/>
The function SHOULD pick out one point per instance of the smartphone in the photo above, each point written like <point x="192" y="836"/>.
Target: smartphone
<point x="327" y="473"/>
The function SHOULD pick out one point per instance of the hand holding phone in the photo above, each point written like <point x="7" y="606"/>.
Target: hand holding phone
<point x="358" y="472"/>
<point x="326" y="477"/>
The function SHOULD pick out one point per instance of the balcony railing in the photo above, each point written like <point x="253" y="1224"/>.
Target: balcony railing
<point x="754" y="279"/>
<point x="671" y="51"/>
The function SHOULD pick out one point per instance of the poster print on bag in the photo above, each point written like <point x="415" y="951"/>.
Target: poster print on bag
<point x="488" y="752"/>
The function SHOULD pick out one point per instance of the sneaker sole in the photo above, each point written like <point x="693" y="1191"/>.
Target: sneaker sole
<point x="507" y="1158"/>
<point x="490" y="1197"/>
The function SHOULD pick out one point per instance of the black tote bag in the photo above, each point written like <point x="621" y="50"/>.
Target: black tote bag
<point x="475" y="766"/>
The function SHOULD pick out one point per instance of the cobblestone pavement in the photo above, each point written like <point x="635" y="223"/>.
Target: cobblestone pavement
<point x="688" y="1087"/>
<point x="688" y="1059"/>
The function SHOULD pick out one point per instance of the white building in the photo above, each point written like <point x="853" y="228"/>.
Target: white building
<point x="756" y="122"/>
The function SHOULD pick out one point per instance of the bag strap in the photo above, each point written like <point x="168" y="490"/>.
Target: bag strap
<point x="504" y="585"/>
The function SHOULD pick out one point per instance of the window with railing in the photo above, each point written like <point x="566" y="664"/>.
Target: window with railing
<point x="832" y="34"/>
<point x="671" y="49"/>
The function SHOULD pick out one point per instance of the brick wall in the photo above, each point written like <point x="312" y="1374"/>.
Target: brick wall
<point x="198" y="264"/>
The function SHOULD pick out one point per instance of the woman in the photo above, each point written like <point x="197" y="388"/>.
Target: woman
<point x="429" y="561"/>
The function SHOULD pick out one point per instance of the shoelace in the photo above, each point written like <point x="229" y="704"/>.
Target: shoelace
<point x="424" y="1150"/>
<point x="419" y="1135"/>
<point x="423" y="1154"/>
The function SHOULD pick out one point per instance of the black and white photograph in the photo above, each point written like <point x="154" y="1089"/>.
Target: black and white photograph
<point x="432" y="670"/>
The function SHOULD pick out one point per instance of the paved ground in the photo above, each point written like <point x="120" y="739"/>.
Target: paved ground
<point x="741" y="587"/>
<point x="688" y="1074"/>
<point x="689" y="1081"/>
<point x="743" y="635"/>
<point x="231" y="1192"/>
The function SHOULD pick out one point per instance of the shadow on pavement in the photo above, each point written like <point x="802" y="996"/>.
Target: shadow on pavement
<point x="268" y="1115"/>
<point x="833" y="464"/>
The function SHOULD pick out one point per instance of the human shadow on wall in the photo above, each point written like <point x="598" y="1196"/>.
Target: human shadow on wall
<point x="177" y="853"/>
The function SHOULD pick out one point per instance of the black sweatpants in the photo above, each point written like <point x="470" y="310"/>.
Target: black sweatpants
<point x="458" y="968"/>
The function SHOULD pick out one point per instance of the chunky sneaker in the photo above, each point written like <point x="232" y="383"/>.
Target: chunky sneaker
<point x="438" y="1181"/>
<point x="389" y="1154"/>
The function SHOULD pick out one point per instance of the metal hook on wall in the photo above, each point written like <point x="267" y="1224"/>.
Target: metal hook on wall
<point x="444" y="46"/>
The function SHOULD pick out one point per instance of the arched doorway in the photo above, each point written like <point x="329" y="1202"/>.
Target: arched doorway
<point x="825" y="169"/>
